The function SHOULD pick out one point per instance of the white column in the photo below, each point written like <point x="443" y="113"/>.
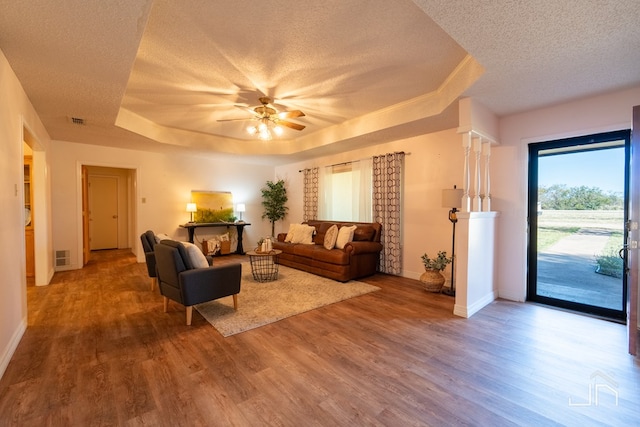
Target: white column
<point x="486" y="201"/>
<point x="466" y="200"/>
<point x="477" y="148"/>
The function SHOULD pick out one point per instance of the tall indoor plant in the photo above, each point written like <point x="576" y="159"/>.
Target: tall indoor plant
<point x="274" y="197"/>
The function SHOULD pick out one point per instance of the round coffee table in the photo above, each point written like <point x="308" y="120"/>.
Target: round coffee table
<point x="264" y="265"/>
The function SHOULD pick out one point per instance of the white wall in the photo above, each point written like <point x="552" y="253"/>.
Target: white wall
<point x="16" y="113"/>
<point x="164" y="185"/>
<point x="509" y="169"/>
<point x="434" y="162"/>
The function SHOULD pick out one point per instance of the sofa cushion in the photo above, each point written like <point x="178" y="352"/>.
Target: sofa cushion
<point x="334" y="256"/>
<point x="345" y="235"/>
<point x="364" y="233"/>
<point x="306" y="251"/>
<point x="330" y="237"/>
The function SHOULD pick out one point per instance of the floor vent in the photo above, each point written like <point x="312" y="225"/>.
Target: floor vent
<point x="63" y="258"/>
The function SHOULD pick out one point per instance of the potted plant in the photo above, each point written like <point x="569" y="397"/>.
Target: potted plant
<point x="274" y="196"/>
<point x="432" y="277"/>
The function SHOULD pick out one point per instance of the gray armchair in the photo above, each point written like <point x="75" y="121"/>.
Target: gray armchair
<point x="179" y="281"/>
<point x="148" y="239"/>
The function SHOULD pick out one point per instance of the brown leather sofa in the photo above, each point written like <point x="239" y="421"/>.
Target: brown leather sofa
<point x="359" y="258"/>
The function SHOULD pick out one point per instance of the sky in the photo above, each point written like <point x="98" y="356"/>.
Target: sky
<point x="601" y="168"/>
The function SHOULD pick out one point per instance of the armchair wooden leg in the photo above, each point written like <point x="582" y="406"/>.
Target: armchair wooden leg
<point x="189" y="314"/>
<point x="235" y="301"/>
<point x="166" y="304"/>
<point x="153" y="284"/>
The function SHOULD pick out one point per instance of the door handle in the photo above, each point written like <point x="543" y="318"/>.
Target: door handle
<point x="115" y="217"/>
<point x="622" y="251"/>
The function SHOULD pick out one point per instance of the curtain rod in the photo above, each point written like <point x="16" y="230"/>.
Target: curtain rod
<point x="353" y="161"/>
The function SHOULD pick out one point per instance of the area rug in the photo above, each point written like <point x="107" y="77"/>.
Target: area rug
<point x="262" y="303"/>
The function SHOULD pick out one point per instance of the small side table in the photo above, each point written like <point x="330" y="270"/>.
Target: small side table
<point x="264" y="265"/>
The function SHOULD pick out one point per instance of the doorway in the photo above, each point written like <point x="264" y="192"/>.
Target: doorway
<point x="578" y="206"/>
<point x="108" y="208"/>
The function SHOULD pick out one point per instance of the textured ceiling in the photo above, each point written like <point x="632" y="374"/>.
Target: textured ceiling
<point x="157" y="75"/>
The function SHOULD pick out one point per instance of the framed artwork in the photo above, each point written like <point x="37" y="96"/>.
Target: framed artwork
<point x="213" y="206"/>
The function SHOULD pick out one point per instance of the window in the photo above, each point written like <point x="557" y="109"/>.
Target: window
<point x="346" y="192"/>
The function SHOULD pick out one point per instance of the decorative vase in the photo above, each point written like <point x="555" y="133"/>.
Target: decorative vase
<point x="433" y="280"/>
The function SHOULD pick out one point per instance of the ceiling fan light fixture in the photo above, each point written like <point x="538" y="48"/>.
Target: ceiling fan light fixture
<point x="264" y="134"/>
<point x="270" y="123"/>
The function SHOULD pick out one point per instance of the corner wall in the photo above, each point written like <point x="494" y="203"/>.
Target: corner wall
<point x="16" y="113"/>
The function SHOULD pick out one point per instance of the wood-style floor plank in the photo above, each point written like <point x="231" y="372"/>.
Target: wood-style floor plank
<point x="99" y="350"/>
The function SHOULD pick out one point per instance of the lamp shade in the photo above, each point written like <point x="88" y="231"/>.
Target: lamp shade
<point x="452" y="198"/>
<point x="240" y="207"/>
<point x="191" y="207"/>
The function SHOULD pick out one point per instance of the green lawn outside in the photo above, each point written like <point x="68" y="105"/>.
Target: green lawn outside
<point x="554" y="225"/>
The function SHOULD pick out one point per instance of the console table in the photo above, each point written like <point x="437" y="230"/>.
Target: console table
<point x="191" y="227"/>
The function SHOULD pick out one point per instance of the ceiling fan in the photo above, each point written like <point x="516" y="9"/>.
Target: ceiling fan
<point x="269" y="119"/>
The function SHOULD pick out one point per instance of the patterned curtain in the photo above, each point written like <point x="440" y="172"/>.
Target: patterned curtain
<point x="387" y="206"/>
<point x="310" y="194"/>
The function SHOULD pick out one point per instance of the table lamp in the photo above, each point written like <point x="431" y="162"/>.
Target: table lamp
<point x="240" y="207"/>
<point x="191" y="207"/>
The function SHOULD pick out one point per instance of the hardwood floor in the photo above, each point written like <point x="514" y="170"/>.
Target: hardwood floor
<point x="99" y="350"/>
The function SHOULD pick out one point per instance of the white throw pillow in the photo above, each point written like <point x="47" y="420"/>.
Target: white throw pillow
<point x="330" y="237"/>
<point x="291" y="233"/>
<point x="303" y="234"/>
<point x="197" y="258"/>
<point x="345" y="235"/>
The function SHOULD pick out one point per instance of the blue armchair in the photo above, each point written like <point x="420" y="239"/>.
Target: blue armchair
<point x="148" y="239"/>
<point x="180" y="281"/>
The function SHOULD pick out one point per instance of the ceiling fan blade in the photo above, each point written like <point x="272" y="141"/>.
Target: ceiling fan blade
<point x="291" y="114"/>
<point x="234" y="120"/>
<point x="290" y="124"/>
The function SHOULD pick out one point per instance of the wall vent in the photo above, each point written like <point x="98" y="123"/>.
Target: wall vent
<point x="63" y="258"/>
<point x="77" y="121"/>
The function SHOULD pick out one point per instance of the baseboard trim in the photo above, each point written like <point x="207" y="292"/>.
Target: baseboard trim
<point x="8" y="352"/>
<point x="468" y="311"/>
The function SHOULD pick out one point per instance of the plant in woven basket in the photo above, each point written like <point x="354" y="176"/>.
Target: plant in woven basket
<point x="438" y="263"/>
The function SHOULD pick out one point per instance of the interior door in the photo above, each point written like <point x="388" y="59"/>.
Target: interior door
<point x="633" y="234"/>
<point x="103" y="209"/>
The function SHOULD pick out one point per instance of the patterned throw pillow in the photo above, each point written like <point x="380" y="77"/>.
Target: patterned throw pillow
<point x="330" y="237"/>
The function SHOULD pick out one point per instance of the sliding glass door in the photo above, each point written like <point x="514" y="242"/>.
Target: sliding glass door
<point x="577" y="216"/>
